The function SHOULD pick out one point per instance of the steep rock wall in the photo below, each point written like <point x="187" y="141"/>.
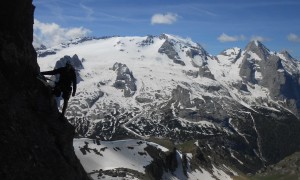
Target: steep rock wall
<point x="35" y="143"/>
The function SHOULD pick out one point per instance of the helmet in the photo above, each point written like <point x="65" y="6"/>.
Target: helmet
<point x="69" y="64"/>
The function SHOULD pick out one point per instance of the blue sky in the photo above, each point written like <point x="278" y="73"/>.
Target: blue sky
<point x="215" y="24"/>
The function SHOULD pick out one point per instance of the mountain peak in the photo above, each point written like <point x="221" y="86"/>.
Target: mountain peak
<point x="231" y="51"/>
<point x="286" y="54"/>
<point x="230" y="55"/>
<point x="256" y="44"/>
<point x="163" y="36"/>
<point x="259" y="48"/>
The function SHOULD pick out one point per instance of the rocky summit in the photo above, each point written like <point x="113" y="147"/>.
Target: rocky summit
<point x="239" y="109"/>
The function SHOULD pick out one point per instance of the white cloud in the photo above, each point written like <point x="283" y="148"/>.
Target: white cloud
<point x="168" y="18"/>
<point x="293" y="37"/>
<point x="51" y="34"/>
<point x="226" y="38"/>
<point x="259" y="38"/>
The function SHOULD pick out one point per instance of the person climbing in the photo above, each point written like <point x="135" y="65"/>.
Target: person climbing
<point x="66" y="78"/>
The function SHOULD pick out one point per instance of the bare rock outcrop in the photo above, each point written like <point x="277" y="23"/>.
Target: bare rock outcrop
<point x="35" y="142"/>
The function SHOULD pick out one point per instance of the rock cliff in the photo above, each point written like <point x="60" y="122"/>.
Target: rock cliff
<point x="35" y="142"/>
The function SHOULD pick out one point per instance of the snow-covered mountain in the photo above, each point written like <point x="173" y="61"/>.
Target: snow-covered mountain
<point x="240" y="109"/>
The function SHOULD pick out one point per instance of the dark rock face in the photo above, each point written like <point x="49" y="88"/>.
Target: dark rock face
<point x="143" y="99"/>
<point x="181" y="95"/>
<point x="193" y="52"/>
<point x="35" y="142"/>
<point x="42" y="47"/>
<point x="162" y="161"/>
<point x="275" y="133"/>
<point x="205" y="72"/>
<point x="45" y="53"/>
<point x="168" y="49"/>
<point x="274" y="74"/>
<point x="240" y="86"/>
<point x="75" y="61"/>
<point x="262" y="51"/>
<point x="198" y="51"/>
<point x="264" y="65"/>
<point x="247" y="71"/>
<point x="147" y="41"/>
<point x="288" y="168"/>
<point x="192" y="73"/>
<point x="125" y="79"/>
<point x="272" y="78"/>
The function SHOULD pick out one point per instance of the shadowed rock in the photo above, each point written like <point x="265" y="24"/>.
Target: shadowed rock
<point x="35" y="142"/>
<point x="168" y="49"/>
<point x="261" y="67"/>
<point x="124" y="80"/>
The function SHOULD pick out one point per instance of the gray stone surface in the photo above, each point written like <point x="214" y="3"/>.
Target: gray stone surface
<point x="125" y="79"/>
<point x="168" y="49"/>
<point x="281" y="79"/>
<point x="35" y="142"/>
<point x="205" y="72"/>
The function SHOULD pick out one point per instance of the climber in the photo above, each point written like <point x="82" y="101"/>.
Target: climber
<point x="66" y="78"/>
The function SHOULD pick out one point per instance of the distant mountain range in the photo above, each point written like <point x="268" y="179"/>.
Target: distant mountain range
<point x="233" y="113"/>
